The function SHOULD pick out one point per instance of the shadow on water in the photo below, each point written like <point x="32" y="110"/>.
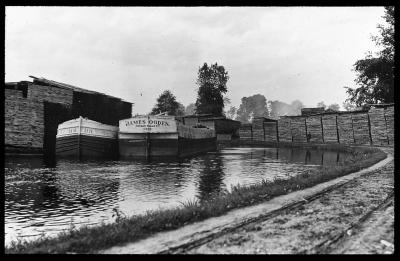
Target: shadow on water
<point x="211" y="176"/>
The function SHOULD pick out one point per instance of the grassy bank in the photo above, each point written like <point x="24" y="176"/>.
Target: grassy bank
<point x="128" y="229"/>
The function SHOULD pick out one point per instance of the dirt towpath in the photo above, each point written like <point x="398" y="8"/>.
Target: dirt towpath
<point x="351" y="214"/>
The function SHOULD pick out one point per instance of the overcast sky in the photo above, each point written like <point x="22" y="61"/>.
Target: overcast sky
<point x="135" y="53"/>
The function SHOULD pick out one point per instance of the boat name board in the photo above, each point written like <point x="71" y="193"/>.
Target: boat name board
<point x="148" y="124"/>
<point x="86" y="131"/>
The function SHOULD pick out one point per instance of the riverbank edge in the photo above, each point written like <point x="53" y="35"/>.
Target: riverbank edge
<point x="184" y="239"/>
<point x="128" y="230"/>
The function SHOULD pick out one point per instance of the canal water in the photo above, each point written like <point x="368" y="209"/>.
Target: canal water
<point x="44" y="198"/>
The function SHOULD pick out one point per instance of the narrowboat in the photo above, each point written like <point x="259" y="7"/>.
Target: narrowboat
<point x="82" y="137"/>
<point x="161" y="136"/>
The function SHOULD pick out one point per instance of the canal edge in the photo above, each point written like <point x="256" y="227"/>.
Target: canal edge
<point x="198" y="233"/>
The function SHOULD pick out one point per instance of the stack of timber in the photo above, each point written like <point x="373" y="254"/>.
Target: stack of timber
<point x="389" y="116"/>
<point x="314" y="129"/>
<point x="270" y="131"/>
<point x="345" y="128"/>
<point x="258" y="128"/>
<point x="378" y="126"/>
<point x="329" y="127"/>
<point x="298" y="128"/>
<point x="312" y="111"/>
<point x="361" y="128"/>
<point x="284" y="130"/>
<point x="245" y="131"/>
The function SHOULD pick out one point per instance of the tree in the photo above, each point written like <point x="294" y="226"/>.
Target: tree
<point x="212" y="85"/>
<point x="166" y="102"/>
<point x="253" y="106"/>
<point x="279" y="108"/>
<point x="181" y="110"/>
<point x="321" y="104"/>
<point x="296" y="107"/>
<point x="334" y="107"/>
<point x="190" y="109"/>
<point x="230" y="114"/>
<point x="375" y="74"/>
<point x="348" y="106"/>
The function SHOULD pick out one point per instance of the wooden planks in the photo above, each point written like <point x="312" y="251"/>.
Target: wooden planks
<point x="270" y="131"/>
<point x="258" y="128"/>
<point x="378" y="126"/>
<point x="314" y="129"/>
<point x="284" y="130"/>
<point x="361" y="128"/>
<point x="245" y="132"/>
<point x="389" y="117"/>
<point x="329" y="126"/>
<point x="298" y="129"/>
<point x="345" y="128"/>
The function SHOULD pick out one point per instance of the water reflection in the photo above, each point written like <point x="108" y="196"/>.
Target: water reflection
<point x="46" y="196"/>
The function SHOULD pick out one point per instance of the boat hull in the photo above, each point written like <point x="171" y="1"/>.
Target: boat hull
<point x="83" y="146"/>
<point x="152" y="145"/>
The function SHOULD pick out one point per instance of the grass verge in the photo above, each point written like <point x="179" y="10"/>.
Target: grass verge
<point x="129" y="229"/>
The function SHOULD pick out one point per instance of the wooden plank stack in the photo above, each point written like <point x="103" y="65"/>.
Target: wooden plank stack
<point x="329" y="126"/>
<point x="284" y="130"/>
<point x="389" y="117"/>
<point x="298" y="128"/>
<point x="258" y="128"/>
<point x="378" y="126"/>
<point x="314" y="129"/>
<point x="345" y="128"/>
<point x="361" y="128"/>
<point x="245" y="132"/>
<point x="270" y="131"/>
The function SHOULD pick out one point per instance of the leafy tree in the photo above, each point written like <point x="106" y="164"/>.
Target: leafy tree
<point x="279" y="108"/>
<point x="253" y="106"/>
<point x="296" y="107"/>
<point x="212" y="85"/>
<point x="190" y="109"/>
<point x="334" y="107"/>
<point x="166" y="102"/>
<point x="375" y="74"/>
<point x="181" y="110"/>
<point x="230" y="114"/>
<point x="321" y="104"/>
<point x="348" y="106"/>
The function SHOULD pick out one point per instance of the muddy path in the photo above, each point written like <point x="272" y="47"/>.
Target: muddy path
<point x="357" y="217"/>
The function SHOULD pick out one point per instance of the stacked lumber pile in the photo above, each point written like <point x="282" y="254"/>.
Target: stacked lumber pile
<point x="345" y="128"/>
<point x="378" y="126"/>
<point x="361" y="128"/>
<point x="245" y="132"/>
<point x="311" y="111"/>
<point x="329" y="127"/>
<point x="284" y="130"/>
<point x="195" y="133"/>
<point x="298" y="128"/>
<point x="389" y="116"/>
<point x="270" y="131"/>
<point x="23" y="122"/>
<point x="258" y="128"/>
<point x="314" y="129"/>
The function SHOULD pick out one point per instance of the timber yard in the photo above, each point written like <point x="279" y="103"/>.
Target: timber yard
<point x="97" y="163"/>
